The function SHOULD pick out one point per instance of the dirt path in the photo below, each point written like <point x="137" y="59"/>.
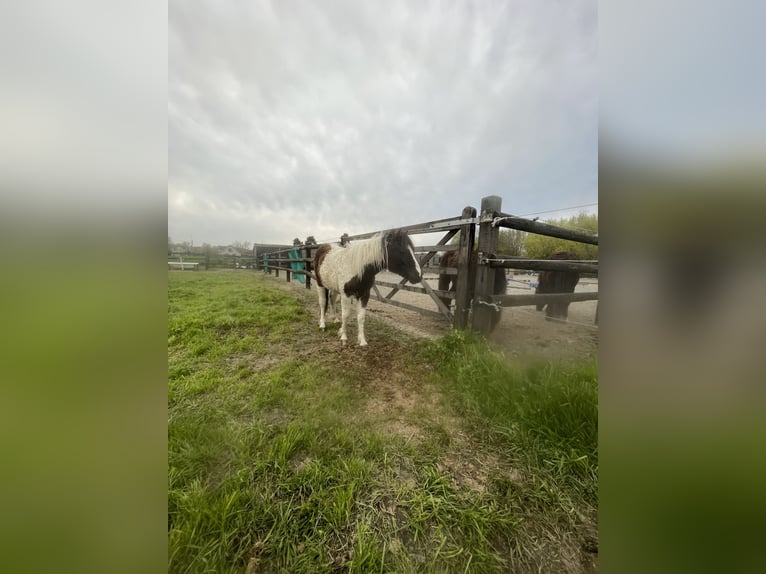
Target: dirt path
<point x="400" y="402"/>
<point x="522" y="333"/>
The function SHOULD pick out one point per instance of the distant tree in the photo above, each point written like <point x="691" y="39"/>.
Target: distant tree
<point x="542" y="247"/>
<point x="511" y="242"/>
<point x="207" y="251"/>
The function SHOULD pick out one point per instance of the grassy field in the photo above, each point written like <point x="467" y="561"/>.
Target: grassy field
<point x="287" y="453"/>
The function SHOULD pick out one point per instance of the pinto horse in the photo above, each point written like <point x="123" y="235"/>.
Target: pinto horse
<point x="449" y="282"/>
<point x="350" y="272"/>
<point x="557" y="282"/>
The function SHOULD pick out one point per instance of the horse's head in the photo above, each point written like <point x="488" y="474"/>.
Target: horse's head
<point x="400" y="255"/>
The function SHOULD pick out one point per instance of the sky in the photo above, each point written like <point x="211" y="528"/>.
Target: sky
<point x="288" y="119"/>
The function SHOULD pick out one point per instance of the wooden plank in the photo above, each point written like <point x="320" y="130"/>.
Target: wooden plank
<point x="441" y="306"/>
<point x="546" y="264"/>
<point x="425" y="259"/>
<point x="184" y="265"/>
<point x="440" y="270"/>
<point x="412" y="308"/>
<point x="437" y="248"/>
<point x="540" y="228"/>
<point x="485" y="275"/>
<point x="442" y="243"/>
<point x="421" y="290"/>
<point x="465" y="281"/>
<point x="309" y="263"/>
<point x="453" y="223"/>
<point x="288" y="260"/>
<point x="291" y="270"/>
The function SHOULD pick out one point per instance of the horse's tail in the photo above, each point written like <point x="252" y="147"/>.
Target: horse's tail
<point x="319" y="256"/>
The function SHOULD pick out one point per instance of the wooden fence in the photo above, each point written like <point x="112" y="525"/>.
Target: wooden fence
<point x="475" y="269"/>
<point x="213" y="261"/>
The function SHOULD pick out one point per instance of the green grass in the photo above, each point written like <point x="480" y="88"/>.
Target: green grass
<point x="546" y="414"/>
<point x="288" y="454"/>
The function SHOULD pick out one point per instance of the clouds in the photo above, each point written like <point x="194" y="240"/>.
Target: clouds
<point x="290" y="119"/>
<point x="693" y="94"/>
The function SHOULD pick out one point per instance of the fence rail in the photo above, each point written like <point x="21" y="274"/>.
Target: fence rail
<point x="543" y="264"/>
<point x="531" y="299"/>
<point x="539" y="228"/>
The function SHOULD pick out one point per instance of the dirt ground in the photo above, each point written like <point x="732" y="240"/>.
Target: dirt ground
<point x="522" y="333"/>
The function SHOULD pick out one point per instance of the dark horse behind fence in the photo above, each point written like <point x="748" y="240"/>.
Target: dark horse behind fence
<point x="449" y="282"/>
<point x="557" y="282"/>
<point x="350" y="272"/>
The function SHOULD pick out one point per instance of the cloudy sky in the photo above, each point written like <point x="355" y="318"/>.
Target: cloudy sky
<point x="288" y="119"/>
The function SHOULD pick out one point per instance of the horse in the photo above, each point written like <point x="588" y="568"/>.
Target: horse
<point x="449" y="282"/>
<point x="557" y="282"/>
<point x="350" y="272"/>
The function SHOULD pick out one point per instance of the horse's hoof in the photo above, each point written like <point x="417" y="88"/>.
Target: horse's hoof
<point x="343" y="343"/>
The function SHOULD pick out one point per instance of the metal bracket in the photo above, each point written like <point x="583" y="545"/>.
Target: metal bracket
<point x="495" y="306"/>
<point x="496" y="220"/>
<point x="454" y="222"/>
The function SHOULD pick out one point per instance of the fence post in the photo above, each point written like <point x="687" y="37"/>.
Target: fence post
<point x="308" y="264"/>
<point x="485" y="275"/>
<point x="464" y="281"/>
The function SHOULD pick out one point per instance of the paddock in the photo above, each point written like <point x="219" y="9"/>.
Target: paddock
<point x="474" y="303"/>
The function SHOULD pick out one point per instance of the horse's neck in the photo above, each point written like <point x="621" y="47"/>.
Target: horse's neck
<point x="368" y="254"/>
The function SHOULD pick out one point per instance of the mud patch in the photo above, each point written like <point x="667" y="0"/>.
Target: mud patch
<point x="471" y="464"/>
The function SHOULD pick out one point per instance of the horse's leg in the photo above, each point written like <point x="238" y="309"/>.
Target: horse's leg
<point x="322" y="296"/>
<point x="360" y="313"/>
<point x="444" y="285"/>
<point x="551" y="311"/>
<point x="333" y="301"/>
<point x="345" y="310"/>
<point x="539" y="291"/>
<point x="495" y="320"/>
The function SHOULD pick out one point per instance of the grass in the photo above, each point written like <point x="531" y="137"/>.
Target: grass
<point x="288" y="454"/>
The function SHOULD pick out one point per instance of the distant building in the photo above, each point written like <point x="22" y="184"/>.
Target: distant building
<point x="229" y="250"/>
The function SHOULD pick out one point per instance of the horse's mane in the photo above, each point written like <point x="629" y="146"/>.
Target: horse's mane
<point x="366" y="252"/>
